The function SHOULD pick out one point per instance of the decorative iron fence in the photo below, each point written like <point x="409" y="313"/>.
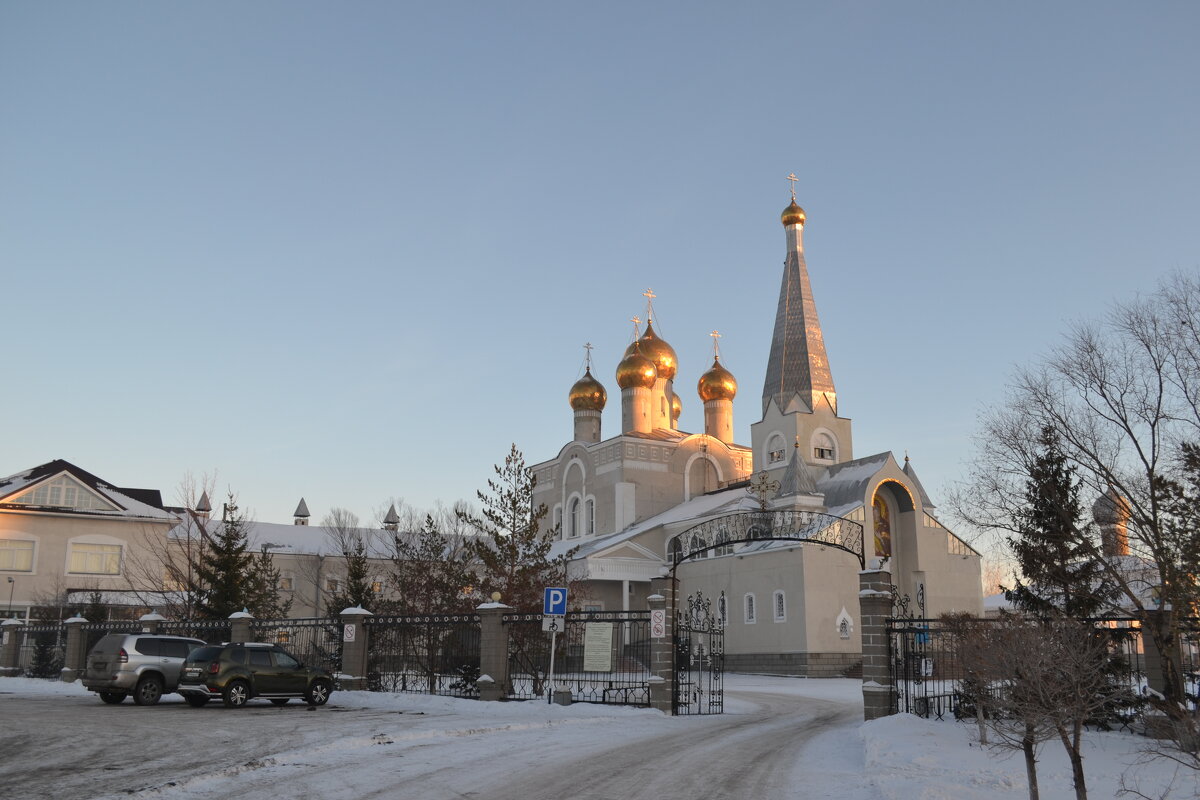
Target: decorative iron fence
<point x="317" y="642"/>
<point x="930" y="680"/>
<point x="43" y="651"/>
<point x="95" y="631"/>
<point x="600" y="657"/>
<point x="699" y="658"/>
<point x="424" y="654"/>
<point x="213" y="631"/>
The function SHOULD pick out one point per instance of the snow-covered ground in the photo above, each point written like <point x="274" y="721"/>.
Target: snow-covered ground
<point x="779" y="738"/>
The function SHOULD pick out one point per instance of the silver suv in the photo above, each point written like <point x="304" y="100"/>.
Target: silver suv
<point x="142" y="664"/>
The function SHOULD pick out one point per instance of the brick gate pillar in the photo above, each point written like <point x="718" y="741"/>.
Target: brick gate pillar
<point x="75" y="652"/>
<point x="662" y="649"/>
<point x="493" y="651"/>
<point x="10" y="651"/>
<point x="355" y="647"/>
<point x="239" y="626"/>
<point x="151" y="621"/>
<point x="875" y="607"/>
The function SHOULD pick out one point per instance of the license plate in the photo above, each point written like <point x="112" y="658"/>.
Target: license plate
<point x="192" y="673"/>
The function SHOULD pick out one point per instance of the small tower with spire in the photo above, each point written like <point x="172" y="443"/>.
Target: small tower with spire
<point x="636" y="375"/>
<point x="587" y="398"/>
<point x="301" y="514"/>
<point x="717" y="388"/>
<point x="391" y="522"/>
<point x="204" y="507"/>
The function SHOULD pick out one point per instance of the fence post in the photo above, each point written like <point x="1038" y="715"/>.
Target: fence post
<point x="354" y="649"/>
<point x="75" y="652"/>
<point x="10" y="652"/>
<point x="493" y="651"/>
<point x="875" y="606"/>
<point x="662" y="648"/>
<point x="151" y="621"/>
<point x="239" y="626"/>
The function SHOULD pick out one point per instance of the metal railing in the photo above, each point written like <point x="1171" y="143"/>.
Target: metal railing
<point x="43" y="651"/>
<point x="424" y="654"/>
<point x="317" y="642"/>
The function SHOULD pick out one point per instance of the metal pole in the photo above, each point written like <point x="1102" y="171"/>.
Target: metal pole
<point x="550" y="681"/>
<point x="12" y="585"/>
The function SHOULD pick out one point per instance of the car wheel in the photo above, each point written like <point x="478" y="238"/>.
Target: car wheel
<point x="318" y="693"/>
<point x="236" y="694"/>
<point x="279" y="701"/>
<point x="197" y="700"/>
<point x="148" y="690"/>
<point x="112" y="698"/>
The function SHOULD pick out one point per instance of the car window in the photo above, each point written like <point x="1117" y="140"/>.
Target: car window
<point x="238" y="655"/>
<point x="109" y="644"/>
<point x="260" y="658"/>
<point x="284" y="661"/>
<point x="174" y="648"/>
<point x="147" y="646"/>
<point x="202" y="654"/>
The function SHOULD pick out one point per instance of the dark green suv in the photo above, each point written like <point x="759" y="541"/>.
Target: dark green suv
<point x="239" y="671"/>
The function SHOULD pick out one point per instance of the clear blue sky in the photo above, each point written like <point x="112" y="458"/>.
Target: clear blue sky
<point x="351" y="251"/>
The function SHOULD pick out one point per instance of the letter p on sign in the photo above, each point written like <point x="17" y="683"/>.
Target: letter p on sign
<point x="555" y="601"/>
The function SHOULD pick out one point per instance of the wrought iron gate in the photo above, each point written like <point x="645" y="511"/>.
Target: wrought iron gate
<point x="699" y="657"/>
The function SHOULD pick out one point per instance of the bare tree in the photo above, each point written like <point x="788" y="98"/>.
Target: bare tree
<point x="1122" y="396"/>
<point x="356" y="545"/>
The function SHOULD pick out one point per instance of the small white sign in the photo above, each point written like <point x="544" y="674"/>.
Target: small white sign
<point x="658" y="623"/>
<point x="348" y="632"/>
<point x="554" y="624"/>
<point x="598" y="647"/>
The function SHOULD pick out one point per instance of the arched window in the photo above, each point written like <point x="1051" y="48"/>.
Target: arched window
<point x="780" y="605"/>
<point x="675" y="550"/>
<point x="558" y="520"/>
<point x="591" y="517"/>
<point x="723" y="546"/>
<point x="573" y="520"/>
<point x="776" y="449"/>
<point x="824" y="448"/>
<point x="749" y="609"/>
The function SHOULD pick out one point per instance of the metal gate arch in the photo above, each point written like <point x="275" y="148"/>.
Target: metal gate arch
<point x="699" y="686"/>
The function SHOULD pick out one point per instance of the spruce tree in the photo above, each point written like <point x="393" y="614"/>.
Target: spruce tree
<point x="1055" y="555"/>
<point x="356" y="589"/>
<point x="223" y="573"/>
<point x="263" y="598"/>
<point x="430" y="571"/>
<point x="513" y="544"/>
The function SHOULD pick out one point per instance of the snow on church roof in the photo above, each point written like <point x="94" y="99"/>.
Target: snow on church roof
<point x="298" y="539"/>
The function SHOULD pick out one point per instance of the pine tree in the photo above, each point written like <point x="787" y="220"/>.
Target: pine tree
<point x="349" y="538"/>
<point x="431" y="572"/>
<point x="223" y="573"/>
<point x="263" y="598"/>
<point x="512" y="545"/>
<point x="1055" y="556"/>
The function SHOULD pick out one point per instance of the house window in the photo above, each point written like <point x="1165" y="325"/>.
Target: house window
<point x="823" y="447"/>
<point x="775" y="456"/>
<point x="16" y="555"/>
<point x="332" y="584"/>
<point x="377" y="587"/>
<point x="775" y="449"/>
<point x="285" y="583"/>
<point x="780" y="605"/>
<point x="63" y="492"/>
<point x="94" y="559"/>
<point x="573" y="520"/>
<point x="750" y="611"/>
<point x="591" y="517"/>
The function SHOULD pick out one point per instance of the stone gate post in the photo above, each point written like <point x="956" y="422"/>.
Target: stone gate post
<point x="10" y="651"/>
<point x="151" y="621"/>
<point x="239" y="626"/>
<point x="75" y="652"/>
<point x="875" y="606"/>
<point x="493" y="651"/>
<point x="355" y="646"/>
<point x="662" y="648"/>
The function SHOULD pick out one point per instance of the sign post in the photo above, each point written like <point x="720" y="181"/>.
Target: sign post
<point x="554" y="617"/>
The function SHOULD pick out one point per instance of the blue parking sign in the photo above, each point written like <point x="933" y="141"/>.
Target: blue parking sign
<point x="555" y="601"/>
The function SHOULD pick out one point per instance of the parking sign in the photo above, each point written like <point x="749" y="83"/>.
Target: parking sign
<point x="554" y="603"/>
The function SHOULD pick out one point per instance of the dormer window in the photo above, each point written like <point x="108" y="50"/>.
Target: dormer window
<point x="63" y="492"/>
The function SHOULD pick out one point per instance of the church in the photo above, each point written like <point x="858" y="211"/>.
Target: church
<point x="655" y="500"/>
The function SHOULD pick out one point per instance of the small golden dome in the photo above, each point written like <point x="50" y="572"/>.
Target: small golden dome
<point x="658" y="351"/>
<point x="717" y="384"/>
<point x="588" y="393"/>
<point x="793" y="215"/>
<point x="636" y="370"/>
<point x="676" y="407"/>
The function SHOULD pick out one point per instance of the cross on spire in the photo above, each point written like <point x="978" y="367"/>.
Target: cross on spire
<point x="792" y="178"/>
<point x="588" y="357"/>
<point x="649" y="295"/>
<point x="716" y="345"/>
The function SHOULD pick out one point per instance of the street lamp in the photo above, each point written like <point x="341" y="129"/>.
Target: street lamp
<point x="12" y="584"/>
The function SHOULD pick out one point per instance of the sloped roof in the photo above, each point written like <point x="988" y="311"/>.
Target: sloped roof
<point x="296" y="539"/>
<point x="135" y="503"/>
<point x="846" y="484"/>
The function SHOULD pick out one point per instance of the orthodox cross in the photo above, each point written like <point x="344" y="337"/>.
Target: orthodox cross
<point x="636" y="320"/>
<point x="763" y="488"/>
<point x="649" y="295"/>
<point x="792" y="178"/>
<point x="588" y="357"/>
<point x="716" y="345"/>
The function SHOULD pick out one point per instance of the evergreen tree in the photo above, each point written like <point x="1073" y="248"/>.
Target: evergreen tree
<point x="263" y="598"/>
<point x="512" y="545"/>
<point x="224" y="574"/>
<point x="1055" y="556"/>
<point x="356" y="590"/>
<point x="431" y="572"/>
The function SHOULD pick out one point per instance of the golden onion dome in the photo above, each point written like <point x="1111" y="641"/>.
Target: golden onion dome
<point x="793" y="215"/>
<point x="676" y="407"/>
<point x="636" y="370"/>
<point x="658" y="351"/>
<point x="717" y="384"/>
<point x="588" y="393"/>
